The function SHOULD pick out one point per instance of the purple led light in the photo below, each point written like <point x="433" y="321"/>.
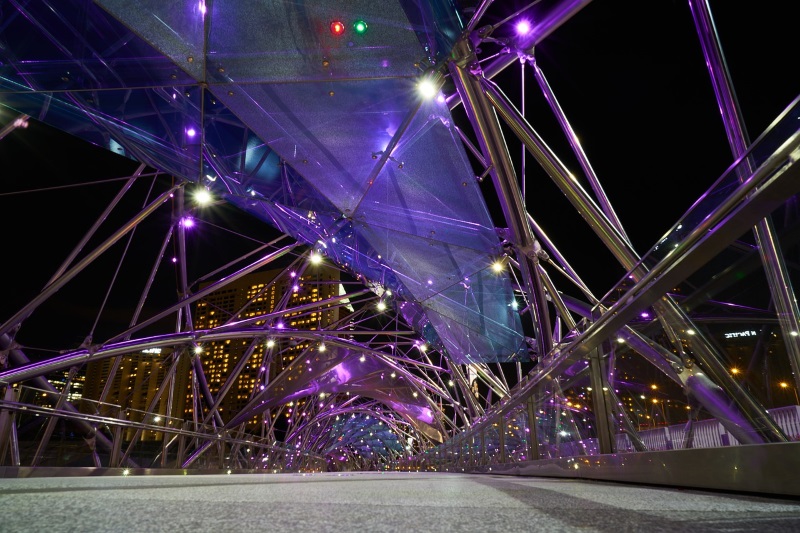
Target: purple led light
<point x="187" y="222"/>
<point x="645" y="314"/>
<point x="523" y="27"/>
<point x="191" y="132"/>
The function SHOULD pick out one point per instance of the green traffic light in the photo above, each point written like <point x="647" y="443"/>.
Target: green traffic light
<point x="360" y="27"/>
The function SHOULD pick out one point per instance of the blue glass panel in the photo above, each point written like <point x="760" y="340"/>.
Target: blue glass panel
<point x="155" y="132"/>
<point x="329" y="139"/>
<point x="175" y="29"/>
<point x="484" y="330"/>
<point x="362" y="432"/>
<point x="425" y="266"/>
<point x="78" y="46"/>
<point x="431" y="194"/>
<point x="438" y="24"/>
<point x="292" y="41"/>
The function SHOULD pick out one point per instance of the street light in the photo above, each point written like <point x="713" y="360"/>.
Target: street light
<point x="784" y="385"/>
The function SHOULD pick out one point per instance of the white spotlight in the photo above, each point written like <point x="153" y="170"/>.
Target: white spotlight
<point x="203" y="197"/>
<point x="427" y="89"/>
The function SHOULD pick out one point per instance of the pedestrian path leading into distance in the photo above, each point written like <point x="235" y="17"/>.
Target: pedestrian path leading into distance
<point x="375" y="502"/>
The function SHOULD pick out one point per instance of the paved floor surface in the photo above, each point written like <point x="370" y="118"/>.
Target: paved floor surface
<point x="376" y="502"/>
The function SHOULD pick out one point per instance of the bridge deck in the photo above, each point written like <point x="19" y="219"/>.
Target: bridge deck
<point x="376" y="502"/>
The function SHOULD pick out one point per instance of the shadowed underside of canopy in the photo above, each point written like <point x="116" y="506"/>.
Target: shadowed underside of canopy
<point x="323" y="136"/>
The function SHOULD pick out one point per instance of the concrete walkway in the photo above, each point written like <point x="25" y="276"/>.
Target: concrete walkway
<point x="372" y="502"/>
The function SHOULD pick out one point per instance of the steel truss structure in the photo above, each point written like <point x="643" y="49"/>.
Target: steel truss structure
<point x="409" y="310"/>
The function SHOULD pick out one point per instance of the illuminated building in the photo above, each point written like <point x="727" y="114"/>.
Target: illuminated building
<point x="59" y="381"/>
<point x="134" y="387"/>
<point x="255" y="295"/>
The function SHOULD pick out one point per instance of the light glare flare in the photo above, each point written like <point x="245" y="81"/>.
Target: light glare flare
<point x="427" y="89"/>
<point x="203" y="197"/>
<point x="523" y="27"/>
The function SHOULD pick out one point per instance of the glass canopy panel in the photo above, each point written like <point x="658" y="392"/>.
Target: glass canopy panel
<point x="76" y="46"/>
<point x="476" y="341"/>
<point x="329" y="132"/>
<point x="279" y="41"/>
<point x="307" y="157"/>
<point x="490" y="326"/>
<point x="427" y="266"/>
<point x="366" y="433"/>
<point x="429" y="193"/>
<point x="438" y="24"/>
<point x="156" y="133"/>
<point x="473" y="306"/>
<point x="175" y="29"/>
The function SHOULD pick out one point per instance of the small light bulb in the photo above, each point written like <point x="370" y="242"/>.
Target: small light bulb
<point x="337" y="27"/>
<point x="203" y="197"/>
<point x="427" y="89"/>
<point x="523" y="27"/>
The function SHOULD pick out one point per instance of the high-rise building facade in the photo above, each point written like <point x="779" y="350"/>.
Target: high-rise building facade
<point x="283" y="299"/>
<point x="138" y="386"/>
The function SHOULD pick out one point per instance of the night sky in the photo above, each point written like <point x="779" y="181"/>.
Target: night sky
<point x="629" y="74"/>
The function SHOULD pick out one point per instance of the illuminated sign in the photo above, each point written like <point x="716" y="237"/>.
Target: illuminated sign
<point x="152" y="350"/>
<point x="737" y="334"/>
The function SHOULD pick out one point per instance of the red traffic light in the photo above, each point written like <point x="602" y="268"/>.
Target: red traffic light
<point x="337" y="27"/>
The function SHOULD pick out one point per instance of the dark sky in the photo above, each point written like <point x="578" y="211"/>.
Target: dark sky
<point x="629" y="74"/>
<point x="633" y="82"/>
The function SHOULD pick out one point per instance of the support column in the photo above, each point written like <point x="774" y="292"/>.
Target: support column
<point x="51" y="423"/>
<point x="7" y="426"/>
<point x="116" y="449"/>
<point x="483" y="447"/>
<point x="600" y="403"/>
<point x="464" y="70"/>
<point x="533" y="437"/>
<point x="502" y="437"/>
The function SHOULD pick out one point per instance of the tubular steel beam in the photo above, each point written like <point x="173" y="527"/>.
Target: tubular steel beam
<point x="780" y="284"/>
<point x="490" y="139"/>
<point x="668" y="310"/>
